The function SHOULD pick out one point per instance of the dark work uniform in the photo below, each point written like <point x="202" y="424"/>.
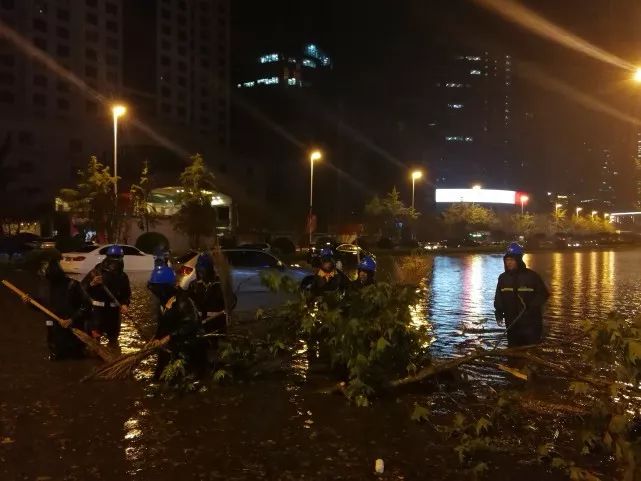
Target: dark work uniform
<point x="179" y="318"/>
<point x="325" y="282"/>
<point x="105" y="310"/>
<point x="209" y="300"/>
<point x="357" y="285"/>
<point x="65" y="298"/>
<point x="513" y="287"/>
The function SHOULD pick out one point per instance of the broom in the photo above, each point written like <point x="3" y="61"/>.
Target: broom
<point x="224" y="273"/>
<point x="104" y="353"/>
<point x="124" y="366"/>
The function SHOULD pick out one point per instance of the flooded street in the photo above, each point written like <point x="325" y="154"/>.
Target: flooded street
<point x="52" y="427"/>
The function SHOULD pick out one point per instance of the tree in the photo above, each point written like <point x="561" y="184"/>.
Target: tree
<point x="387" y="216"/>
<point x="140" y="193"/>
<point x="463" y="218"/>
<point x="197" y="217"/>
<point x="93" y="199"/>
<point x="523" y="224"/>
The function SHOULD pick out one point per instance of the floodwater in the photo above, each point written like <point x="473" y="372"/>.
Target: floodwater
<point x="277" y="427"/>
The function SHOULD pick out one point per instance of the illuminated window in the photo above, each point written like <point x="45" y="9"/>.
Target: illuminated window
<point x="473" y="59"/>
<point x="453" y="85"/>
<point x="249" y="84"/>
<point x="291" y="81"/>
<point x="272" y="57"/>
<point x="309" y="63"/>
<point x="475" y="72"/>
<point x="455" y="106"/>
<point x="459" y="138"/>
<point x="267" y="81"/>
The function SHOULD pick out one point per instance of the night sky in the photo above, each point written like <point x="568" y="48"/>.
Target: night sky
<point x="381" y="45"/>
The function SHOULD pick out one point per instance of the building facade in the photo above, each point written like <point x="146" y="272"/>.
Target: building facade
<point x="166" y="60"/>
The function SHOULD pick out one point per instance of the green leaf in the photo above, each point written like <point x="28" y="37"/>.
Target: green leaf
<point x="382" y="344"/>
<point x="618" y="424"/>
<point x="483" y="425"/>
<point x="459" y="420"/>
<point x="559" y="463"/>
<point x="221" y="374"/>
<point x="579" y="387"/>
<point x="634" y="351"/>
<point x="420" y="413"/>
<point x="544" y="450"/>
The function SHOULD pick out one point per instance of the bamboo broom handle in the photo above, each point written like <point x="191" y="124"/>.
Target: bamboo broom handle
<point x="35" y="303"/>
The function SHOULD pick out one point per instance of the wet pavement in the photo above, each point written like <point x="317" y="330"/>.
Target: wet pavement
<point x="52" y="427"/>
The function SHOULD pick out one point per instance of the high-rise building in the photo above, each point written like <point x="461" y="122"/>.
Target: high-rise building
<point x="167" y="60"/>
<point x="473" y="119"/>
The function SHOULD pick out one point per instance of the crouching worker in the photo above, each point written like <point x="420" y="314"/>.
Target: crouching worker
<point x="65" y="299"/>
<point x="328" y="278"/>
<point x="366" y="273"/>
<point x="520" y="296"/>
<point x="178" y="323"/>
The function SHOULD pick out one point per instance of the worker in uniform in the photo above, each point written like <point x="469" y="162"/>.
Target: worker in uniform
<point x="206" y="292"/>
<point x="366" y="273"/>
<point x="64" y="297"/>
<point x="178" y="323"/>
<point x="108" y="286"/>
<point x="519" y="299"/>
<point x="327" y="278"/>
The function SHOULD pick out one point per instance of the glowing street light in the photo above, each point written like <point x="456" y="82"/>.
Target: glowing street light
<point x="524" y="200"/>
<point x="556" y="209"/>
<point x="578" y="210"/>
<point x="416" y="175"/>
<point x="314" y="156"/>
<point x="476" y="187"/>
<point x="637" y="75"/>
<point x="117" y="112"/>
<point x="594" y="212"/>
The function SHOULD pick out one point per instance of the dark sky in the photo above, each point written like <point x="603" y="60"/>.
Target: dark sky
<point x="380" y="45"/>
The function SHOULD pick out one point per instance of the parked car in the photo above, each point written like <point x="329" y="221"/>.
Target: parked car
<point x="246" y="267"/>
<point x="86" y="258"/>
<point x="259" y="246"/>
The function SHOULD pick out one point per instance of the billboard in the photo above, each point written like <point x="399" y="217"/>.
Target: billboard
<point x="480" y="196"/>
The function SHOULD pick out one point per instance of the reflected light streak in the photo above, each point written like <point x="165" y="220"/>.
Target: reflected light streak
<point x="541" y="26"/>
<point x="556" y="283"/>
<point x="592" y="290"/>
<point x="577" y="282"/>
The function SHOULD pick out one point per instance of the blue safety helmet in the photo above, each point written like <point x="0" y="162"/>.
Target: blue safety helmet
<point x="515" y="249"/>
<point x="162" y="275"/>
<point x="368" y="264"/>
<point x="115" y="251"/>
<point x="327" y="253"/>
<point x="204" y="261"/>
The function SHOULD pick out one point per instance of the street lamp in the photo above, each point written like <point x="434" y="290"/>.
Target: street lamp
<point x="117" y="111"/>
<point x="416" y="175"/>
<point x="578" y="209"/>
<point x="524" y="200"/>
<point x="313" y="157"/>
<point x="637" y="75"/>
<point x="556" y="209"/>
<point x="594" y="212"/>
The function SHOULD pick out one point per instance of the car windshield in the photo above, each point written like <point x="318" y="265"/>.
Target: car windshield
<point x="186" y="257"/>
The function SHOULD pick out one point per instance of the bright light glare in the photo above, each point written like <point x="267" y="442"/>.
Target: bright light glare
<point x="637" y="75"/>
<point x="524" y="199"/>
<point x="118" y="110"/>
<point x="316" y="155"/>
<point x="417" y="174"/>
<point x="476" y="196"/>
<point x="476" y="187"/>
<point x="558" y="206"/>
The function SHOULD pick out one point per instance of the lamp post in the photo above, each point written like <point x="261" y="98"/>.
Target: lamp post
<point x="524" y="200"/>
<point x="117" y="111"/>
<point x="417" y="174"/>
<point x="313" y="157"/>
<point x="594" y="212"/>
<point x="578" y="210"/>
<point x="556" y="209"/>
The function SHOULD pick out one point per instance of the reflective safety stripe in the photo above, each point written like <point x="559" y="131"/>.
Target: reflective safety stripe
<point x="102" y="304"/>
<point x="212" y="314"/>
<point x="507" y="289"/>
<point x="49" y="323"/>
<point x="525" y="289"/>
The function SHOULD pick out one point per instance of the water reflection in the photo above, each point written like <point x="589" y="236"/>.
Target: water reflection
<point x="583" y="285"/>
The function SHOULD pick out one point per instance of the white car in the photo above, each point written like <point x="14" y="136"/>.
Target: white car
<point x="246" y="267"/>
<point x="86" y="258"/>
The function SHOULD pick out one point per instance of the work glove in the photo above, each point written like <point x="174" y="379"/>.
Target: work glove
<point x="499" y="318"/>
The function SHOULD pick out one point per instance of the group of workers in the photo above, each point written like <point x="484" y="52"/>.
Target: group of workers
<point x="97" y="303"/>
<point x="191" y="321"/>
